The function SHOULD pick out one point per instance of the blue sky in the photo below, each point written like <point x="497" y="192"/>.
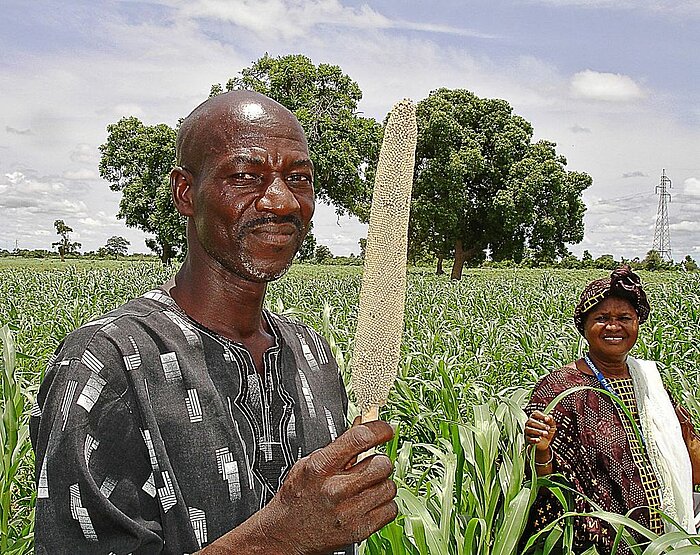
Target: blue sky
<point x="613" y="82"/>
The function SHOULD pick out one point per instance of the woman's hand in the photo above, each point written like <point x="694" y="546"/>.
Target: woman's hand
<point x="540" y="430"/>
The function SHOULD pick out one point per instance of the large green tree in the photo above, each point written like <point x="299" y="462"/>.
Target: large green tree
<point x="344" y="146"/>
<point x="136" y="160"/>
<point x="481" y="183"/>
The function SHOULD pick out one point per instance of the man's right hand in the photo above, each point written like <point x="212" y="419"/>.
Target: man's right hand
<point x="327" y="502"/>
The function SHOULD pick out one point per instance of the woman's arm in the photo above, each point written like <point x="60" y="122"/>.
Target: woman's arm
<point x="692" y="441"/>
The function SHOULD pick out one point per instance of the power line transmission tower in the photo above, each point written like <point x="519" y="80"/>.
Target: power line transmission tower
<point x="662" y="235"/>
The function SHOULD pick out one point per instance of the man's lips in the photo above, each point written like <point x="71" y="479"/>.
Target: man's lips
<point x="275" y="229"/>
<point x="279" y="231"/>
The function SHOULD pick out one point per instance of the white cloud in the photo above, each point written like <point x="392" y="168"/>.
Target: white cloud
<point x="685" y="225"/>
<point x="14" y="131"/>
<point x="611" y="87"/>
<point x="691" y="186"/>
<point x="84" y="153"/>
<point x="287" y="19"/>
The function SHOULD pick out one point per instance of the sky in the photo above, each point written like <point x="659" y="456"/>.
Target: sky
<point x="614" y="83"/>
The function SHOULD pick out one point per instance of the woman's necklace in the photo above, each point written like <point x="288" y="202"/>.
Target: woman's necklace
<point x="599" y="375"/>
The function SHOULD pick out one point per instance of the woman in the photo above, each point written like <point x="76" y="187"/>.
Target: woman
<point x="590" y="441"/>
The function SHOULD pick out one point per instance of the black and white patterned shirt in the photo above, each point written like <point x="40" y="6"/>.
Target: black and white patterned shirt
<point x="155" y="435"/>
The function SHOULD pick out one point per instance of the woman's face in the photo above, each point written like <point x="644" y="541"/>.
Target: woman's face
<point x="611" y="329"/>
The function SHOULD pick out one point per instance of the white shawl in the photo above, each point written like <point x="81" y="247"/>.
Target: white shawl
<point x="665" y="446"/>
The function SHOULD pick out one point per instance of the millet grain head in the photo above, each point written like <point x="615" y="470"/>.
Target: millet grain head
<point x="376" y="353"/>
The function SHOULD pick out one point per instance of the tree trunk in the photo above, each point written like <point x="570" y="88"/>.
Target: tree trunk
<point x="62" y="252"/>
<point x="166" y="253"/>
<point x="440" y="271"/>
<point x="460" y="259"/>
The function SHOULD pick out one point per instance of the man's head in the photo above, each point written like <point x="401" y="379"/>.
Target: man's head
<point x="244" y="179"/>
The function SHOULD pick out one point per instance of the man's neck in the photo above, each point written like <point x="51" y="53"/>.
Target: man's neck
<point x="221" y="301"/>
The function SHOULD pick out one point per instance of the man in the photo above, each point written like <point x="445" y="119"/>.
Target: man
<point x="191" y="418"/>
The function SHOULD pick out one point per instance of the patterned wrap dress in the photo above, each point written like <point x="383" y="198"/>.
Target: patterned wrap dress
<point x="596" y="450"/>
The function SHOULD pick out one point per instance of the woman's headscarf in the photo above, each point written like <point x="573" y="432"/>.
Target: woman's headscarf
<point x="623" y="283"/>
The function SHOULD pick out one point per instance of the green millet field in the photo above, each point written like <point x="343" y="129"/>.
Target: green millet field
<point x="471" y="353"/>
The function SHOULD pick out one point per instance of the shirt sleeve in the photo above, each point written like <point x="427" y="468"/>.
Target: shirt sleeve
<point x="95" y="489"/>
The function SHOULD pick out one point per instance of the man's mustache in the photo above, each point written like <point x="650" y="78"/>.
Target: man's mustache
<point x="289" y="219"/>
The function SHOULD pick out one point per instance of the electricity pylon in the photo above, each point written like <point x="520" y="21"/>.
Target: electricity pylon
<point x="662" y="236"/>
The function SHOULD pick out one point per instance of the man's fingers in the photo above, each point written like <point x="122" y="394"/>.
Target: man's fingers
<point x="375" y="519"/>
<point x="360" y="479"/>
<point x="358" y="439"/>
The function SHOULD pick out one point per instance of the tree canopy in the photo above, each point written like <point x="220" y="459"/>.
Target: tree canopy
<point x="481" y="183"/>
<point x="344" y="146"/>
<point x="136" y="160"/>
<point x="115" y="246"/>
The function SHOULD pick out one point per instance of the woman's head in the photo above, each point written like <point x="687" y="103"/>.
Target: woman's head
<point x="623" y="283"/>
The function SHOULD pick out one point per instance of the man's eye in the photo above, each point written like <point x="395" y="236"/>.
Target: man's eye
<point x="244" y="179"/>
<point x="299" y="178"/>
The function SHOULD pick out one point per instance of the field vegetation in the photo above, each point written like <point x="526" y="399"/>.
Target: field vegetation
<point x="471" y="352"/>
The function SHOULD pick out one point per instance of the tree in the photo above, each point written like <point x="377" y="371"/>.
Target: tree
<point x="65" y="246"/>
<point x="136" y="160"/>
<point x="344" y="146"/>
<point x="481" y="183"/>
<point x="689" y="264"/>
<point x="115" y="246"/>
<point x="322" y="254"/>
<point x="606" y="262"/>
<point x="653" y="261"/>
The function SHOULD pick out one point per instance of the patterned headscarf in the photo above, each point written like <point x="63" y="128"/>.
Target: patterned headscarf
<point x="623" y="283"/>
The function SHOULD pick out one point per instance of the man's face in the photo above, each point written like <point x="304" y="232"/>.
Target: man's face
<point x="253" y="197"/>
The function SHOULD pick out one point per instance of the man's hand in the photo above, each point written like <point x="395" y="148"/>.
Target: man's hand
<point x="328" y="502"/>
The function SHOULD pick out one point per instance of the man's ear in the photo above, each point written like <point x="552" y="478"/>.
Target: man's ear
<point x="181" y="181"/>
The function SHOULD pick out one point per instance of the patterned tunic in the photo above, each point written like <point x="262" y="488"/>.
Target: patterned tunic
<point x="154" y="434"/>
<point x="599" y="455"/>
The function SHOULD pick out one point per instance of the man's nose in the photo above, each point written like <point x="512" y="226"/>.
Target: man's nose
<point x="278" y="199"/>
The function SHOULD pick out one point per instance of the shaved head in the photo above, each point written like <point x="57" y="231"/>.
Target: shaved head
<point x="220" y="121"/>
<point x="244" y="180"/>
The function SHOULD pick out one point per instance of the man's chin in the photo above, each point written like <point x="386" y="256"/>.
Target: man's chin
<point x="259" y="272"/>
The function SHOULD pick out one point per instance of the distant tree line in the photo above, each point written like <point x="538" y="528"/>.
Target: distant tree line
<point x="651" y="262"/>
<point x="311" y="252"/>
